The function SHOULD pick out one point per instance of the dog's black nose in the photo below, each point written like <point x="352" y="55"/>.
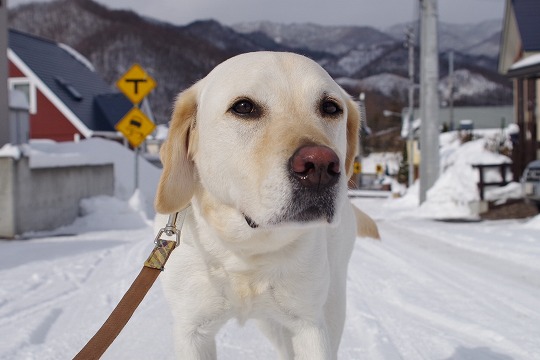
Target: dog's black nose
<point x="315" y="166"/>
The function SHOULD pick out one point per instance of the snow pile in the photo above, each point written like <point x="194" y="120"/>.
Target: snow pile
<point x="533" y="223"/>
<point x="452" y="193"/>
<point x="103" y="213"/>
<point x="501" y="194"/>
<point x="456" y="188"/>
<point x="46" y="153"/>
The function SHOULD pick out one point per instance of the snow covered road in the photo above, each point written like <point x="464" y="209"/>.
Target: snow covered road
<point x="428" y="290"/>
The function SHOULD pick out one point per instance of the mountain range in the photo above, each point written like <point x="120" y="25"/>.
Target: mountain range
<point x="361" y="58"/>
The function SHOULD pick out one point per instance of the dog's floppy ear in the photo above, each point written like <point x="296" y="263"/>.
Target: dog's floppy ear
<point x="353" y="125"/>
<point x="177" y="182"/>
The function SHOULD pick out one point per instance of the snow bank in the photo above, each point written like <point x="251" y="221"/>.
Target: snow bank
<point x="46" y="153"/>
<point x="513" y="190"/>
<point x="451" y="195"/>
<point x="456" y="189"/>
<point x="103" y="213"/>
<point x="533" y="223"/>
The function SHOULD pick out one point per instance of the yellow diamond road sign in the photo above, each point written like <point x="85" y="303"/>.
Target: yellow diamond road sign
<point x="136" y="84"/>
<point x="135" y="126"/>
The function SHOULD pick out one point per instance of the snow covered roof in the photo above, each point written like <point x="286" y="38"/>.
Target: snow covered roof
<point x="526" y="66"/>
<point x="528" y="61"/>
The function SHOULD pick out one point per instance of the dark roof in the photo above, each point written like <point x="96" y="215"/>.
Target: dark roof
<point x="112" y="107"/>
<point x="75" y="84"/>
<point x="528" y="19"/>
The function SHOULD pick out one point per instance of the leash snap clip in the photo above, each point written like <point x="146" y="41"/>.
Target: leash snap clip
<point x="171" y="229"/>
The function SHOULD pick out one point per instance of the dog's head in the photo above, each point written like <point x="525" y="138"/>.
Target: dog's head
<point x="269" y="135"/>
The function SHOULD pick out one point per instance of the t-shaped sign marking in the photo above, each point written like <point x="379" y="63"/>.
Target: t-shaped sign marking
<point x="136" y="84"/>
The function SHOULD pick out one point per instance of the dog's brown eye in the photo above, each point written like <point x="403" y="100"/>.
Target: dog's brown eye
<point x="330" y="107"/>
<point x="243" y="107"/>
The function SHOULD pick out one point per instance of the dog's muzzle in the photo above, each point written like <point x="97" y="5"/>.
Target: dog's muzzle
<point x="314" y="172"/>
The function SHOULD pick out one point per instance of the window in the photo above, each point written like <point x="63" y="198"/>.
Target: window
<point x="29" y="89"/>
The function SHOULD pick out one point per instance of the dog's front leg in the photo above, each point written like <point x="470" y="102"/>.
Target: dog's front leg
<point x="310" y="342"/>
<point x="195" y="338"/>
<point x="194" y="347"/>
<point x="197" y="306"/>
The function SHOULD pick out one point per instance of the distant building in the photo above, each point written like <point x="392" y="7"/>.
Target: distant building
<point x="483" y="117"/>
<point x="519" y="59"/>
<point x="67" y="97"/>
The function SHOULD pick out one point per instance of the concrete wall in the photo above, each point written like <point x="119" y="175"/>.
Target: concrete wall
<point x="7" y="212"/>
<point x="46" y="198"/>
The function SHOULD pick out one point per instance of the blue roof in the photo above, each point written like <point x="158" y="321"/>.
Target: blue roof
<point x="73" y="82"/>
<point x="528" y="19"/>
<point x="112" y="107"/>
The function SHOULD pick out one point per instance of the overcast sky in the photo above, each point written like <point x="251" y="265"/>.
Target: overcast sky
<point x="377" y="13"/>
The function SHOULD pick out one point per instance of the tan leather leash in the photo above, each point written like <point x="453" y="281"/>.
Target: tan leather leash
<point x="119" y="317"/>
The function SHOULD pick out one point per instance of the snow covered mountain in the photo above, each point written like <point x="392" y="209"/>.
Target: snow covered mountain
<point x="337" y="40"/>
<point x="478" y="39"/>
<point x="177" y="56"/>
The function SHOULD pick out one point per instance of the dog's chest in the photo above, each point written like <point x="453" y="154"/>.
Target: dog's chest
<point x="247" y="292"/>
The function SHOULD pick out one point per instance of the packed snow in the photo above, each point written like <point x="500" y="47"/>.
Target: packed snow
<point x="428" y="290"/>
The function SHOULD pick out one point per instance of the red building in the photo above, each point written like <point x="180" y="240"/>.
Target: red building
<point x="67" y="97"/>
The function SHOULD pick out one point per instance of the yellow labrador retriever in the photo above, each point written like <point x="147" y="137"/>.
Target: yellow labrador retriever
<point x="262" y="148"/>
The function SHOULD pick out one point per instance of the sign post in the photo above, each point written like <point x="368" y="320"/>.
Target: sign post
<point x="4" y="111"/>
<point x="136" y="84"/>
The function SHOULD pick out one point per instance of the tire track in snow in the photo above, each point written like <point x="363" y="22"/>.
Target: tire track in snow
<point x="39" y="335"/>
<point x="472" y="265"/>
<point x="373" y="283"/>
<point x="471" y="301"/>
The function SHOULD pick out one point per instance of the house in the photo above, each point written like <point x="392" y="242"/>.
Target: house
<point x="519" y="59"/>
<point x="68" y="99"/>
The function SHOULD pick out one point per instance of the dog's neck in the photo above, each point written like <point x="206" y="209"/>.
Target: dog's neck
<point x="220" y="222"/>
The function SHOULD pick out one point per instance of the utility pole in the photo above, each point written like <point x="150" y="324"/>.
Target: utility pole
<point x="410" y="109"/>
<point x="451" y="85"/>
<point x="4" y="112"/>
<point x="429" y="98"/>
